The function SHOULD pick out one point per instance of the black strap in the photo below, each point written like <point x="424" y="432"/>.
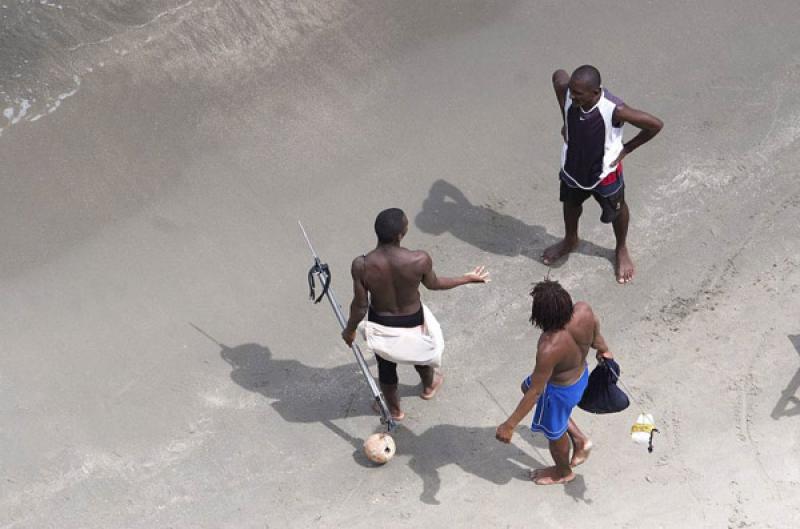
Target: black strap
<point x="650" y="444"/>
<point x="318" y="268"/>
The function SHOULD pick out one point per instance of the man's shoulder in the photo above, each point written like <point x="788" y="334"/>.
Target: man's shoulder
<point x="403" y="258"/>
<point x="416" y="255"/>
<point x="359" y="263"/>
<point x="550" y="342"/>
<point x="582" y="307"/>
<point x="582" y="314"/>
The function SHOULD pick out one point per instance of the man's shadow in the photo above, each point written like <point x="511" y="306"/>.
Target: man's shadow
<point x="446" y="209"/>
<point x="473" y="449"/>
<point x="299" y="393"/>
<point x="789" y="404"/>
<point x="302" y="393"/>
<point x="307" y="394"/>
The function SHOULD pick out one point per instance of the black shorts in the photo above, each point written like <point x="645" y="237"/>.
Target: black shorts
<point x="611" y="205"/>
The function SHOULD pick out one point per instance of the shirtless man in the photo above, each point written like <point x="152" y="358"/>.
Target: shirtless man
<point x="386" y="290"/>
<point x="559" y="379"/>
<point x="591" y="161"/>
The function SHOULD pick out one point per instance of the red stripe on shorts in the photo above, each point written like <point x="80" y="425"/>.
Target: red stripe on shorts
<point x="612" y="176"/>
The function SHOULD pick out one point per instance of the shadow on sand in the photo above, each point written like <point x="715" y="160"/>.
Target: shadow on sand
<point x="789" y="404"/>
<point x="447" y="209"/>
<point x="472" y="449"/>
<point x="302" y="393"/>
<point x="306" y="394"/>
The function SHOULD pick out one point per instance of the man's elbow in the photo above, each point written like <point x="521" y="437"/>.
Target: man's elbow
<point x="560" y="79"/>
<point x="657" y="125"/>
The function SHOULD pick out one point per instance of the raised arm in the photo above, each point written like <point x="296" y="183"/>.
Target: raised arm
<point x="560" y="85"/>
<point x="648" y="124"/>
<point x="433" y="282"/>
<point x="545" y="362"/>
<point x="360" y="303"/>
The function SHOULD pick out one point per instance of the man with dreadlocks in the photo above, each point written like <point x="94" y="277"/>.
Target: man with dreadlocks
<point x="559" y="378"/>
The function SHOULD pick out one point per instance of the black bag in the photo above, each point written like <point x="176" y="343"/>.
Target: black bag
<point x="602" y="394"/>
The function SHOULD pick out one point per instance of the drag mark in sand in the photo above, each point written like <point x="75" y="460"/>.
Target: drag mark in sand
<point x="738" y="518"/>
<point x="744" y="387"/>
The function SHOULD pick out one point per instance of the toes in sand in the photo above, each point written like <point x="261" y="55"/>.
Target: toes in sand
<point x="624" y="266"/>
<point x="557" y="251"/>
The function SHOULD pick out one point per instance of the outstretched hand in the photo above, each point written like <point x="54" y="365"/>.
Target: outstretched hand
<point x="479" y="275"/>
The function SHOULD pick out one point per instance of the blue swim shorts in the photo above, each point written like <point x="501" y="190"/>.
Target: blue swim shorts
<point x="555" y="405"/>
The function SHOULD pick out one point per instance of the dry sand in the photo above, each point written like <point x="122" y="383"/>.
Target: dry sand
<point x="162" y="367"/>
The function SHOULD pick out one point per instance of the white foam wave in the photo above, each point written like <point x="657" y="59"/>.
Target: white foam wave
<point x="14" y="114"/>
<point x="18" y="111"/>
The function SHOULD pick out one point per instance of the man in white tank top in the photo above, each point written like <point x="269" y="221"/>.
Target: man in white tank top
<point x="591" y="159"/>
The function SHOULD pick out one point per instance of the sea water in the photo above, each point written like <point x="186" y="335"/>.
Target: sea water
<point x="48" y="47"/>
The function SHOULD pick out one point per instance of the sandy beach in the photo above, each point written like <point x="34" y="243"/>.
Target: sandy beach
<point x="162" y="366"/>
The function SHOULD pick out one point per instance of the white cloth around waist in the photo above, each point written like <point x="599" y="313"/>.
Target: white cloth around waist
<point x="421" y="345"/>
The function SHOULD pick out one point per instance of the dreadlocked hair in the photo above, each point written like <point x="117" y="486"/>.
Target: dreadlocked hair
<point x="552" y="306"/>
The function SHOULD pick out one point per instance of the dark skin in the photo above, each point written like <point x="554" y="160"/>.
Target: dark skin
<point x="585" y="94"/>
<point x="388" y="278"/>
<point x="560" y="359"/>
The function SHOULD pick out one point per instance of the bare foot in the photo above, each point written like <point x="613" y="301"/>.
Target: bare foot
<point x="557" y="251"/>
<point x="429" y="393"/>
<point x="624" y="266"/>
<point x="550" y="476"/>
<point x="397" y="415"/>
<point x="580" y="453"/>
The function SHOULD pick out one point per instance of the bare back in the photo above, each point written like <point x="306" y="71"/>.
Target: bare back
<point x="391" y="275"/>
<point x="568" y="348"/>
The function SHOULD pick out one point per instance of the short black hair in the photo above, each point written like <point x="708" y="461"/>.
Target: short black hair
<point x="588" y="74"/>
<point x="389" y="224"/>
<point x="552" y="306"/>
